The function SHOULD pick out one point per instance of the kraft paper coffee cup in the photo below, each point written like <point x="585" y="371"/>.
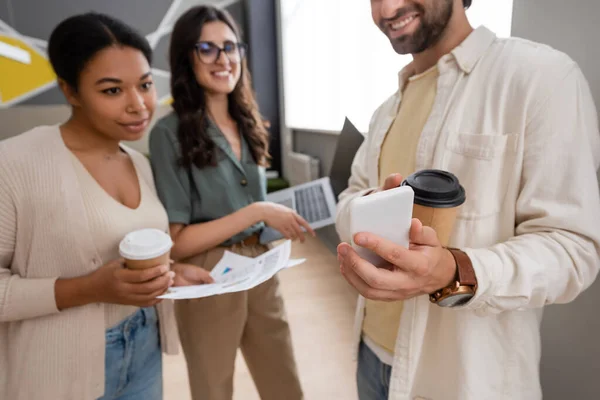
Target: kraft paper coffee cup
<point x="146" y="248"/>
<point x="438" y="197"/>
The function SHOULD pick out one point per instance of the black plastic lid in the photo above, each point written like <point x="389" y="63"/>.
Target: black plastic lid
<point x="436" y="188"/>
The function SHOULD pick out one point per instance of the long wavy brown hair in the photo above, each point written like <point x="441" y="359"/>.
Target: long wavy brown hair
<point x="189" y="100"/>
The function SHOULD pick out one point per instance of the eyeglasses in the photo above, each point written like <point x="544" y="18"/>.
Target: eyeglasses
<point x="209" y="52"/>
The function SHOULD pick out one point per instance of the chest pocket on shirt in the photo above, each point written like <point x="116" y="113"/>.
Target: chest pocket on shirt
<point x="484" y="164"/>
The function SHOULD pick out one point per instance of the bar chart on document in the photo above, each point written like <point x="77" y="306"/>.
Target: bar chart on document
<point x="234" y="273"/>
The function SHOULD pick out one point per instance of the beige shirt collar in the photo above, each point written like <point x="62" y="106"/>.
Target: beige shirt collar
<point x="465" y="55"/>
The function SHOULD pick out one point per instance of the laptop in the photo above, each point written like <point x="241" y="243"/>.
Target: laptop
<point x="348" y="143"/>
<point x="316" y="201"/>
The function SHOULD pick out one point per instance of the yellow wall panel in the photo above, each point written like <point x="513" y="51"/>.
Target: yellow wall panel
<point x="18" y="79"/>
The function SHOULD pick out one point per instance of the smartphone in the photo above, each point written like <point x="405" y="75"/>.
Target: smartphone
<point x="387" y="214"/>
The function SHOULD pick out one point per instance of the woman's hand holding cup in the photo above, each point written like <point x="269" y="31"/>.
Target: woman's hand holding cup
<point x="142" y="274"/>
<point x="113" y="283"/>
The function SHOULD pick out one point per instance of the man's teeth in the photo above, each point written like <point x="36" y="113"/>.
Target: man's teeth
<point x="403" y="23"/>
<point x="222" y="74"/>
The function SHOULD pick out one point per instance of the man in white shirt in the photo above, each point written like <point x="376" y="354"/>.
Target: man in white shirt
<point x="515" y="122"/>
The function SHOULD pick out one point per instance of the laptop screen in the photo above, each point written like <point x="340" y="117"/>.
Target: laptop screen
<point x="348" y="143"/>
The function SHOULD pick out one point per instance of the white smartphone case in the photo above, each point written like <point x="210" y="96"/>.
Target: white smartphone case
<point x="387" y="214"/>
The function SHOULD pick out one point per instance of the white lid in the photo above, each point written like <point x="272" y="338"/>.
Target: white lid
<point x="145" y="244"/>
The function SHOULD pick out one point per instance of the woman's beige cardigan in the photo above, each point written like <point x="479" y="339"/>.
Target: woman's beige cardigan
<point x="44" y="353"/>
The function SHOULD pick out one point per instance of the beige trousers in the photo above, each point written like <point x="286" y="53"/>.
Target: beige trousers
<point x="213" y="328"/>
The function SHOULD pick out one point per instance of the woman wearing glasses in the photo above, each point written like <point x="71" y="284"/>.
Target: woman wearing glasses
<point x="208" y="158"/>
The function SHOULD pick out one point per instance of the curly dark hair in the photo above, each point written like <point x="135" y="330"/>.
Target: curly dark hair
<point x="189" y="101"/>
<point x="467" y="3"/>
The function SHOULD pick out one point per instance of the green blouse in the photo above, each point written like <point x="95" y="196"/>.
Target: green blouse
<point x="197" y="195"/>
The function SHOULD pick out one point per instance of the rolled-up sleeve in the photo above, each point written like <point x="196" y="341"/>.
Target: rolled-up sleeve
<point x="172" y="180"/>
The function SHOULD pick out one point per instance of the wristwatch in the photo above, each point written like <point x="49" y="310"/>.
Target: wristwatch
<point x="464" y="286"/>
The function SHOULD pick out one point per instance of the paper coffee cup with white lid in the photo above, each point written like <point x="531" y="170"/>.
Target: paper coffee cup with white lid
<point x="146" y="248"/>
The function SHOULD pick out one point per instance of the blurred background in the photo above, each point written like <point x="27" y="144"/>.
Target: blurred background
<point x="314" y="62"/>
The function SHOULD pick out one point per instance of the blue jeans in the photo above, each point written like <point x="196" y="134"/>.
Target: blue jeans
<point x="372" y="376"/>
<point x="134" y="358"/>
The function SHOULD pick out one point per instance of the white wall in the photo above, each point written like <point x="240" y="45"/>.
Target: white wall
<point x="337" y="63"/>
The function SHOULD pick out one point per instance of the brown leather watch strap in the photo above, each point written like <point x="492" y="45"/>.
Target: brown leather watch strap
<point x="464" y="268"/>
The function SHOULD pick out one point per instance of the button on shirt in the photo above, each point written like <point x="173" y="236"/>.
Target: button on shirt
<point x="198" y="195"/>
<point x="516" y="123"/>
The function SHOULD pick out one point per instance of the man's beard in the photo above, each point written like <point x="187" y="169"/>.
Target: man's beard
<point x="432" y="26"/>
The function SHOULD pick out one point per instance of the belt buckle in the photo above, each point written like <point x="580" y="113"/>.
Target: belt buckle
<point x="250" y="240"/>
